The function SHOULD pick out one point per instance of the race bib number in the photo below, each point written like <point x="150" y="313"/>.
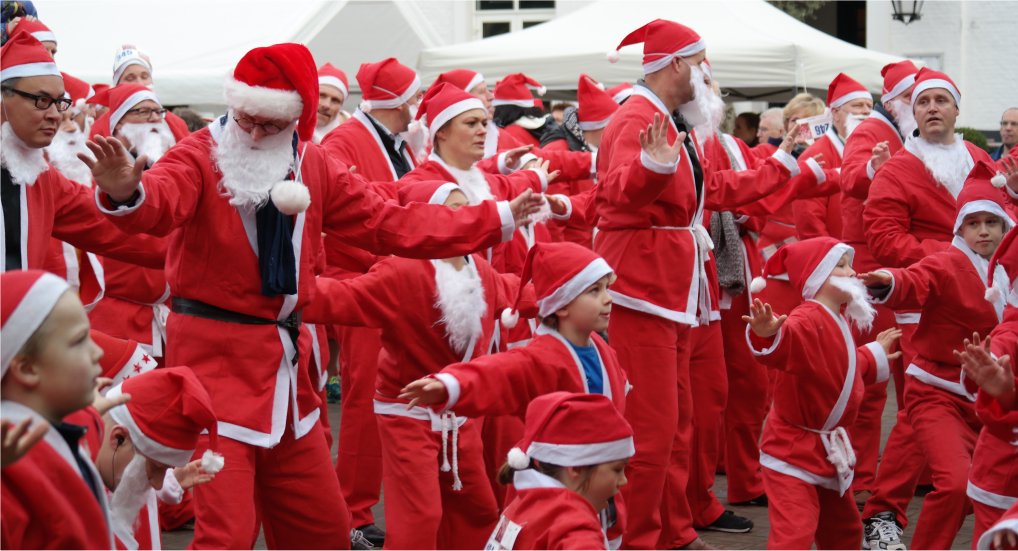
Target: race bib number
<point x="504" y="536"/>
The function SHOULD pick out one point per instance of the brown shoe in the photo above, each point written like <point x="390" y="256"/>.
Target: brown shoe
<point x="698" y="543"/>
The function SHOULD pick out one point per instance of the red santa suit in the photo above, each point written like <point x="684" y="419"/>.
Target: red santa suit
<point x="268" y="427"/>
<point x="806" y="454"/>
<point x="821" y="216"/>
<point x="1007" y="523"/>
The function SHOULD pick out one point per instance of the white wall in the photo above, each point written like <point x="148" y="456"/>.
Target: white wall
<point x="973" y="42"/>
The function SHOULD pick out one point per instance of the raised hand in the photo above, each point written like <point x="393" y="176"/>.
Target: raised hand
<point x="1010" y="166"/>
<point x="101" y="403"/>
<point x="881" y="153"/>
<point x="512" y="157"/>
<point x="524" y="206"/>
<point x="16" y="440"/>
<point x="654" y="141"/>
<point x="819" y="158"/>
<point x="425" y="391"/>
<point x="995" y="377"/>
<point x="191" y="475"/>
<point x="762" y="321"/>
<point x="1004" y="539"/>
<point x="876" y="279"/>
<point x="557" y="205"/>
<point x="792" y="137"/>
<point x="886" y="340"/>
<point x="541" y="165"/>
<point x="112" y="169"/>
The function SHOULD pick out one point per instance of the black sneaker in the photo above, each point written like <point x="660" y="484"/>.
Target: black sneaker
<point x="374" y="534"/>
<point x="882" y="532"/>
<point x="731" y="523"/>
<point x="358" y="542"/>
<point x="759" y="501"/>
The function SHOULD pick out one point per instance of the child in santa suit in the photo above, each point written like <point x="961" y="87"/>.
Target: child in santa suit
<point x="807" y="458"/>
<point x="52" y="496"/>
<point x="948" y="288"/>
<point x="146" y="450"/>
<point x="568" y="354"/>
<point x="432" y="313"/>
<point x="576" y="450"/>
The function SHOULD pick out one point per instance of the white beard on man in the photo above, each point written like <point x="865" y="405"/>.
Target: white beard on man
<point x="858" y="310"/>
<point x="151" y="139"/>
<point x="130" y="495"/>
<point x="63" y="152"/>
<point x="903" y="116"/>
<point x="251" y="169"/>
<point x="706" y="110"/>
<point x="852" y="121"/>
<point x="948" y="164"/>
<point x="460" y="298"/>
<point x="23" y="162"/>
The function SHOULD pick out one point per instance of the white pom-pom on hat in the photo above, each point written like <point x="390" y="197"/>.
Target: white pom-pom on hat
<point x="613" y="56"/>
<point x="509" y="318"/>
<point x="517" y="459"/>
<point x="993" y="294"/>
<point x="212" y="462"/>
<point x="366" y="106"/>
<point x="998" y="181"/>
<point x="290" y="197"/>
<point x="758" y="284"/>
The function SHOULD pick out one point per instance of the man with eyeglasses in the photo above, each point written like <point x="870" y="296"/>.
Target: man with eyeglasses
<point x="136" y="116"/>
<point x="1008" y="133"/>
<point x="245" y="202"/>
<point x="38" y="202"/>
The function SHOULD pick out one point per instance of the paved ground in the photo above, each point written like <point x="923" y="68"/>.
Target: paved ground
<point x="757" y="539"/>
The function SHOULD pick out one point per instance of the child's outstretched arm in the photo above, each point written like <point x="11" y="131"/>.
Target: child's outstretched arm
<point x="874" y="359"/>
<point x="994" y="376"/>
<point x="762" y="321"/>
<point x="426" y="391"/>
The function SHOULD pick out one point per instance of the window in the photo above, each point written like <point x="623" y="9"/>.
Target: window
<point x="495" y="17"/>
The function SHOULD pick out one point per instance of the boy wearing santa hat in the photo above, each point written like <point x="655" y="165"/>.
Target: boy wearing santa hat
<point x="52" y="496"/>
<point x="569" y="464"/>
<point x="146" y="450"/>
<point x="806" y="452"/>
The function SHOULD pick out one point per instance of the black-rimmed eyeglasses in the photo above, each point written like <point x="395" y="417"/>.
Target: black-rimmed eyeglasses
<point x="42" y="103"/>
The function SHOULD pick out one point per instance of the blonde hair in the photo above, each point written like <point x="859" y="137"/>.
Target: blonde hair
<point x="809" y="103"/>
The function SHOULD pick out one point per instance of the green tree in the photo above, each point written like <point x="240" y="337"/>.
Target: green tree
<point x="801" y="10"/>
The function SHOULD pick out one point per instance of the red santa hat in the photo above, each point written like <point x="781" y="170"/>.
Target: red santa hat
<point x="41" y="32"/>
<point x="27" y="299"/>
<point x="278" y="81"/>
<point x="126" y="56"/>
<point x="662" y="40"/>
<point x="927" y="79"/>
<point x="515" y="90"/>
<point x="122" y="358"/>
<point x="807" y="263"/>
<point x="596" y="106"/>
<point x="561" y="271"/>
<point x="981" y="193"/>
<point x="119" y="100"/>
<point x="432" y="192"/>
<point x="168" y="412"/>
<point x="572" y="430"/>
<point x="386" y="84"/>
<point x="443" y="102"/>
<point x="461" y="78"/>
<point x="1005" y="259"/>
<point x="621" y="92"/>
<point x="328" y="75"/>
<point x="24" y="56"/>
<point x="897" y="78"/>
<point x="77" y="90"/>
<point x="844" y="89"/>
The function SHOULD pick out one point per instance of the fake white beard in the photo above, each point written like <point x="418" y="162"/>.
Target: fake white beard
<point x="63" y="155"/>
<point x="321" y="131"/>
<point x="24" y="163"/>
<point x="714" y="105"/>
<point x="251" y="169"/>
<point x="697" y="110"/>
<point x="903" y="116"/>
<point x="460" y="298"/>
<point x="858" y="310"/>
<point x="152" y="139"/>
<point x="130" y="495"/>
<point x="948" y="164"/>
<point x="417" y="137"/>
<point x="852" y="122"/>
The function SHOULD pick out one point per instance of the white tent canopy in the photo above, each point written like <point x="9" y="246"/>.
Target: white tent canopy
<point x="755" y="49"/>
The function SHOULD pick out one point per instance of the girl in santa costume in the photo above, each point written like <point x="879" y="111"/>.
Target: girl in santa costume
<point x="568" y="354"/>
<point x="569" y="464"/>
<point x="948" y="288"/>
<point x="806" y="455"/>
<point x="431" y="313"/>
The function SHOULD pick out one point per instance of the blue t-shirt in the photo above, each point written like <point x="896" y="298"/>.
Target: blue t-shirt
<point x="591" y="367"/>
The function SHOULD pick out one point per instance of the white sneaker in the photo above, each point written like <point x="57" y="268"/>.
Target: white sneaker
<point x="882" y="532"/>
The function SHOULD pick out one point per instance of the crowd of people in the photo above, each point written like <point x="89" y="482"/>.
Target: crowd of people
<point x="549" y="332"/>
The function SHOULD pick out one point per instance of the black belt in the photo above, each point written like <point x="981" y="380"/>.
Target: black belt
<point x="198" y="309"/>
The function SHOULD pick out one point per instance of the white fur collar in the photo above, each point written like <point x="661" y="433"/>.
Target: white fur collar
<point x="23" y="162"/>
<point x="460" y="298"/>
<point x="948" y="164"/>
<point x="471" y="181"/>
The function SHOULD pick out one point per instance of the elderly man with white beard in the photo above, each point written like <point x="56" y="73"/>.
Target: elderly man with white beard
<point x="249" y="198"/>
<point x="654" y="185"/>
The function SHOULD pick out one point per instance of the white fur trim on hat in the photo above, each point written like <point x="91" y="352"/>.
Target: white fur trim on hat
<point x="452" y="111"/>
<point x="936" y="83"/>
<point x="29" y="315"/>
<point x="415" y="85"/>
<point x="45" y="36"/>
<point x="40" y="69"/>
<point x="900" y="87"/>
<point x="261" y="101"/>
<point x="571" y="289"/>
<point x="330" y="80"/>
<point x="290" y="197"/>
<point x="823" y="270"/>
<point x="851" y="96"/>
<point x="443" y="192"/>
<point x="129" y="103"/>
<point x="982" y="205"/>
<point x="666" y="59"/>
<point x="594" y="125"/>
<point x="579" y="455"/>
<point x="478" y="78"/>
<point x="516" y="102"/>
<point x="148" y="447"/>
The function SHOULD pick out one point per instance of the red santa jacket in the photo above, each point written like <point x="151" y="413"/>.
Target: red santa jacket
<point x="948" y="288"/>
<point x="821" y="216"/>
<point x="857" y="175"/>
<point x="819" y="387"/>
<point x="57" y="207"/>
<point x="213" y="259"/>
<point x="46" y="502"/>
<point x="651" y="216"/>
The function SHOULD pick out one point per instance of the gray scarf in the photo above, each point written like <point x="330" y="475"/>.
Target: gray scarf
<point x="728" y="255"/>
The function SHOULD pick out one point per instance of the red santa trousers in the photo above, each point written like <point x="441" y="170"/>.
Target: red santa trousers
<point x="801" y="514"/>
<point x="654" y="352"/>
<point x="708" y="379"/>
<point x="293" y="487"/>
<point x="865" y="431"/>
<point x="746" y="408"/>
<point x="946" y="429"/>
<point x="422" y="511"/>
<point x="359" y="464"/>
